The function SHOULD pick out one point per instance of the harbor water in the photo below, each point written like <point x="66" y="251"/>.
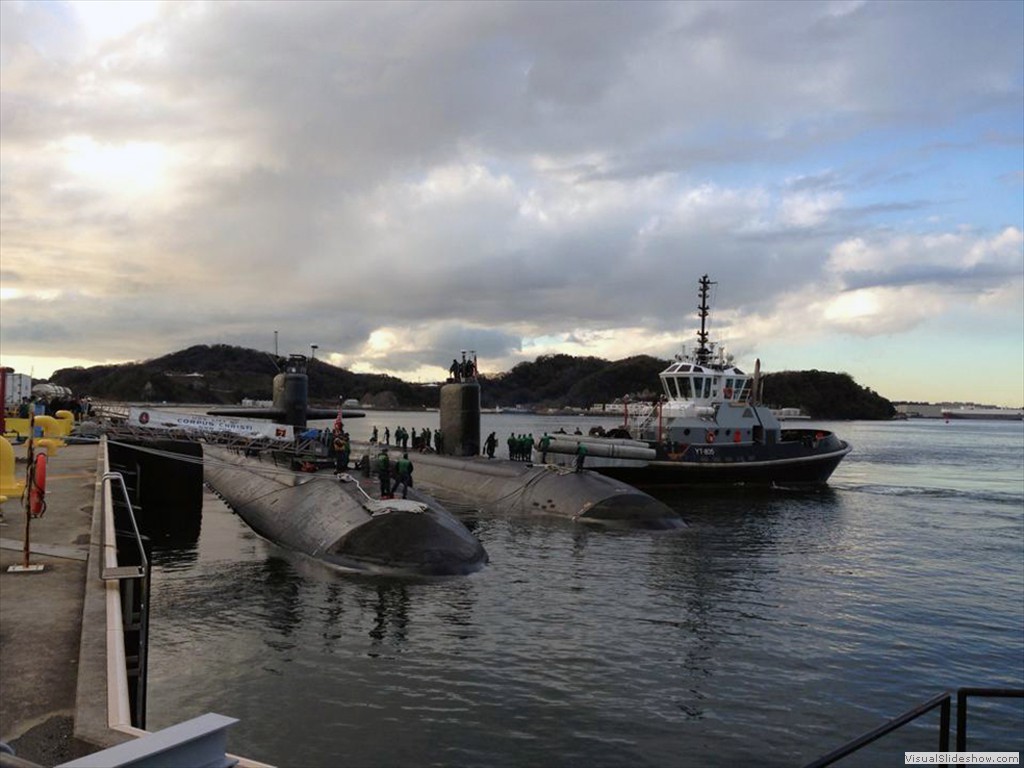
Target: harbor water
<point x="777" y="626"/>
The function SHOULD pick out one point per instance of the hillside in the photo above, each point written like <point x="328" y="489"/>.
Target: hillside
<point x="225" y="374"/>
<point x="825" y="395"/>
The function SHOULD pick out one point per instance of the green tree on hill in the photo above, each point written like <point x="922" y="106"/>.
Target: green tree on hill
<point x="825" y="395"/>
<point x="230" y="373"/>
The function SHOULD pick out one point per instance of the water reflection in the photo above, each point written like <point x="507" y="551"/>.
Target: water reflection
<point x="332" y="611"/>
<point x="281" y="595"/>
<point x="391" y="617"/>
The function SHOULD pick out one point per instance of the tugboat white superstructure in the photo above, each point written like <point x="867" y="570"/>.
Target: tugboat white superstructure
<point x="708" y="427"/>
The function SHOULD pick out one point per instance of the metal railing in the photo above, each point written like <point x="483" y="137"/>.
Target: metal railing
<point x="133" y="589"/>
<point x="961" y="707"/>
<point x="110" y="571"/>
<point x="641" y="415"/>
<point x="942" y="701"/>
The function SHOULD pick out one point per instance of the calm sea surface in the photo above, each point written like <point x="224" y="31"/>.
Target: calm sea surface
<point x="776" y="627"/>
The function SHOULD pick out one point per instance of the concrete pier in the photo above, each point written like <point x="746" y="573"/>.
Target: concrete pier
<point x="63" y="690"/>
<point x="41" y="613"/>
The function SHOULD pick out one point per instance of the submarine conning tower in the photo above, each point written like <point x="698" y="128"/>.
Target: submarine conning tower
<point x="291" y="391"/>
<point x="460" y="418"/>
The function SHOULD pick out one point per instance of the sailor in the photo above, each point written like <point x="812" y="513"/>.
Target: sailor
<point x="581" y="456"/>
<point x="511" y="447"/>
<point x="403" y="468"/>
<point x="387" y="435"/>
<point x="454" y="369"/>
<point x="384" y="473"/>
<point x="438" y="441"/>
<point x="545" y="443"/>
<point x="340" y="453"/>
<point x="490" y="444"/>
<point x="373" y="437"/>
<point x="346" y="450"/>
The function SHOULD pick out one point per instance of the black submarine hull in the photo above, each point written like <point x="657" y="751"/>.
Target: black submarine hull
<point x="338" y="522"/>
<point x="523" y="488"/>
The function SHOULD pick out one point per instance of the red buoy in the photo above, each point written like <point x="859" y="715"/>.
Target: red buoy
<point x="37" y="496"/>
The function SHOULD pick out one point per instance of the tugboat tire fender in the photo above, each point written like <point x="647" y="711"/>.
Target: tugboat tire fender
<point x="709" y="436"/>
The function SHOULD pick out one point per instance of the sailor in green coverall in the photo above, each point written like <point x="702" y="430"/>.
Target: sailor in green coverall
<point x="403" y="468"/>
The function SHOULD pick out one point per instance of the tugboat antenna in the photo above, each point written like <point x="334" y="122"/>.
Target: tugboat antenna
<point x="703" y="350"/>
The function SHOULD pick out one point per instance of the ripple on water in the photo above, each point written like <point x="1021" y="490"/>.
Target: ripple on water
<point x="778" y="620"/>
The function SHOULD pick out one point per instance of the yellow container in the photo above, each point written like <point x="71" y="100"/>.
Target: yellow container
<point x="10" y="485"/>
<point x="17" y="426"/>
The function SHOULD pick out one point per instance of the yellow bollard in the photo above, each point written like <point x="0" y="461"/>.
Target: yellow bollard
<point x="50" y="426"/>
<point x="49" y="444"/>
<point x="10" y="485"/>
<point x="65" y="421"/>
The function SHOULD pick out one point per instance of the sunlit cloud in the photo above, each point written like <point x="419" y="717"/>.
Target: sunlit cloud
<point x="103" y="20"/>
<point x="129" y="169"/>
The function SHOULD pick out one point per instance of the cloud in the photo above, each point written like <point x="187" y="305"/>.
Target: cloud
<point x="399" y="181"/>
<point x="948" y="258"/>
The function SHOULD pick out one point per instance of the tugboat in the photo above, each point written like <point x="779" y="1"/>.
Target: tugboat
<point x="707" y="428"/>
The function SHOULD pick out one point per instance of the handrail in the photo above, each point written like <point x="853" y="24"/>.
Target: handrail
<point x="641" y="414"/>
<point x="111" y="571"/>
<point x="961" y="708"/>
<point x="940" y="700"/>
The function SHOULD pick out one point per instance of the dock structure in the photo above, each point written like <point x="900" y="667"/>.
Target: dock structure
<point x="63" y="662"/>
<point x="41" y="612"/>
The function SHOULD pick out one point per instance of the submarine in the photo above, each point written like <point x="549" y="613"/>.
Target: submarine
<point x="334" y="518"/>
<point x="291" y="398"/>
<point x="459" y="475"/>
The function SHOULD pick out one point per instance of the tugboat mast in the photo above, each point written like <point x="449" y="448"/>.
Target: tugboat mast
<point x="703" y="350"/>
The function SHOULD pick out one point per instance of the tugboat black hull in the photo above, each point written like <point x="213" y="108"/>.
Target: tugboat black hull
<point x="803" y="457"/>
<point x="723" y="469"/>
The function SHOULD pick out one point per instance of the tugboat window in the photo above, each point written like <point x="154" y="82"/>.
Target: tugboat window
<point x="707" y="387"/>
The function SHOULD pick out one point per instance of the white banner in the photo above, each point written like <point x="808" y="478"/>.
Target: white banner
<point x="154" y="419"/>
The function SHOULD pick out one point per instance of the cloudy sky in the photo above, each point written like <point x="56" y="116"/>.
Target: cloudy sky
<point x="395" y="182"/>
